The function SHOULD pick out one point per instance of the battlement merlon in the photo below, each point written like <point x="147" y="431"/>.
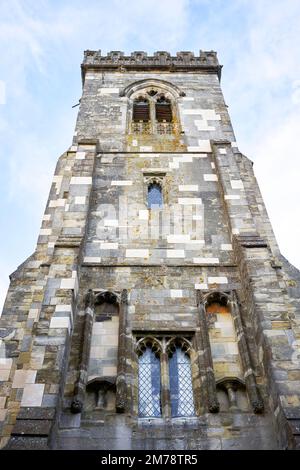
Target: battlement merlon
<point x="185" y="61"/>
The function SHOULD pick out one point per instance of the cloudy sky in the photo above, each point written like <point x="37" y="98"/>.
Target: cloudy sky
<point x="41" y="48"/>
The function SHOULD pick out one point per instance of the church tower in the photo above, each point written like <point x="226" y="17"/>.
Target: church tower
<point x="156" y="311"/>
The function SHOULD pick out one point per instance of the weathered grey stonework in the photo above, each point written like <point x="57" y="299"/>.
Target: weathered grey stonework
<point x="109" y="276"/>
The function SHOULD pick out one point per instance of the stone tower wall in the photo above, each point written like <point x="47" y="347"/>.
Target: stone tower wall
<point x="107" y="272"/>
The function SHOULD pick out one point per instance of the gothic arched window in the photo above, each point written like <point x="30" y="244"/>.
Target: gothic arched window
<point x="149" y="384"/>
<point x="155" y="199"/>
<point x="181" y="389"/>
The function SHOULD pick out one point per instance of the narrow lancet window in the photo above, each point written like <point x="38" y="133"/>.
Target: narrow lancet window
<point x="155" y="199"/>
<point x="149" y="384"/>
<point x="181" y="389"/>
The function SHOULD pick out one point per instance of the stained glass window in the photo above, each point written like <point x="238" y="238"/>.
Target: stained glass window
<point x="149" y="384"/>
<point x="154" y="196"/>
<point x="181" y="390"/>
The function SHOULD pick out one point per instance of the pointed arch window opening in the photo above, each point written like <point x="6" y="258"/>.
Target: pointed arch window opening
<point x="153" y="114"/>
<point x="181" y="388"/>
<point x="149" y="384"/>
<point x="155" y="196"/>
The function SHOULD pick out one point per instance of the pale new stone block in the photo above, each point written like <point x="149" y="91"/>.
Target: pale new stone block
<point x="184" y="159"/>
<point x="201" y="286"/>
<point x="45" y="231"/>
<point x="67" y="207"/>
<point x="110" y="371"/>
<point x="108" y="91"/>
<point x="187" y="98"/>
<point x="190" y="200"/>
<point x="192" y="111"/>
<point x="175" y="254"/>
<point x="2" y="402"/>
<point x="236" y="184"/>
<point x="23" y="377"/>
<point x="174" y="165"/>
<point x="68" y="283"/>
<point x="202" y="125"/>
<point x="109" y="246"/>
<point x="199" y="155"/>
<point x="235" y="231"/>
<point x="33" y="395"/>
<point x="218" y="280"/>
<point x="222" y="151"/>
<point x="206" y="260"/>
<point x="63" y="308"/>
<point x="134" y="143"/>
<point x="121" y="183"/>
<point x="234" y="144"/>
<point x="57" y="203"/>
<point x="92" y="259"/>
<point x="188" y="187"/>
<point x="210" y="177"/>
<point x="81" y="180"/>
<point x="226" y="246"/>
<point x="178" y="238"/>
<point x="80" y="199"/>
<point x="232" y="196"/>
<point x="143" y="214"/>
<point x="194" y="148"/>
<point x="232" y="348"/>
<point x="197" y="217"/>
<point x="47" y="217"/>
<point x="33" y="313"/>
<point x="137" y="253"/>
<point x="213" y="165"/>
<point x="176" y="293"/>
<point x="80" y="156"/>
<point x="204" y="145"/>
<point x="4" y="375"/>
<point x="5" y="363"/>
<point x="111" y="223"/>
<point x="146" y="148"/>
<point x="60" y="322"/>
<point x="73" y="148"/>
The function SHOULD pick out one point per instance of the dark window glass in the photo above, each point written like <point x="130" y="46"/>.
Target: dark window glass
<point x="141" y="110"/>
<point x="149" y="385"/>
<point x="163" y="110"/>
<point x="155" y="200"/>
<point x="181" y="389"/>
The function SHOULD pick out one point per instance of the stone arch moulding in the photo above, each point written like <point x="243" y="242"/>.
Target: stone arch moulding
<point x="163" y="85"/>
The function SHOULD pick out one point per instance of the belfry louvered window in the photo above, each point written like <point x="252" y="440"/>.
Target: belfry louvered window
<point x="149" y="384"/>
<point x="181" y="389"/>
<point x="141" y="111"/>
<point x="163" y="110"/>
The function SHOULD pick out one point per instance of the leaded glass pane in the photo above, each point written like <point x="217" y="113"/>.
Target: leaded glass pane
<point x="181" y="389"/>
<point x="154" y="196"/>
<point x="149" y="385"/>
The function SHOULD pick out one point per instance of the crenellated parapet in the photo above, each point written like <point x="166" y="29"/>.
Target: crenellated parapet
<point x="207" y="61"/>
